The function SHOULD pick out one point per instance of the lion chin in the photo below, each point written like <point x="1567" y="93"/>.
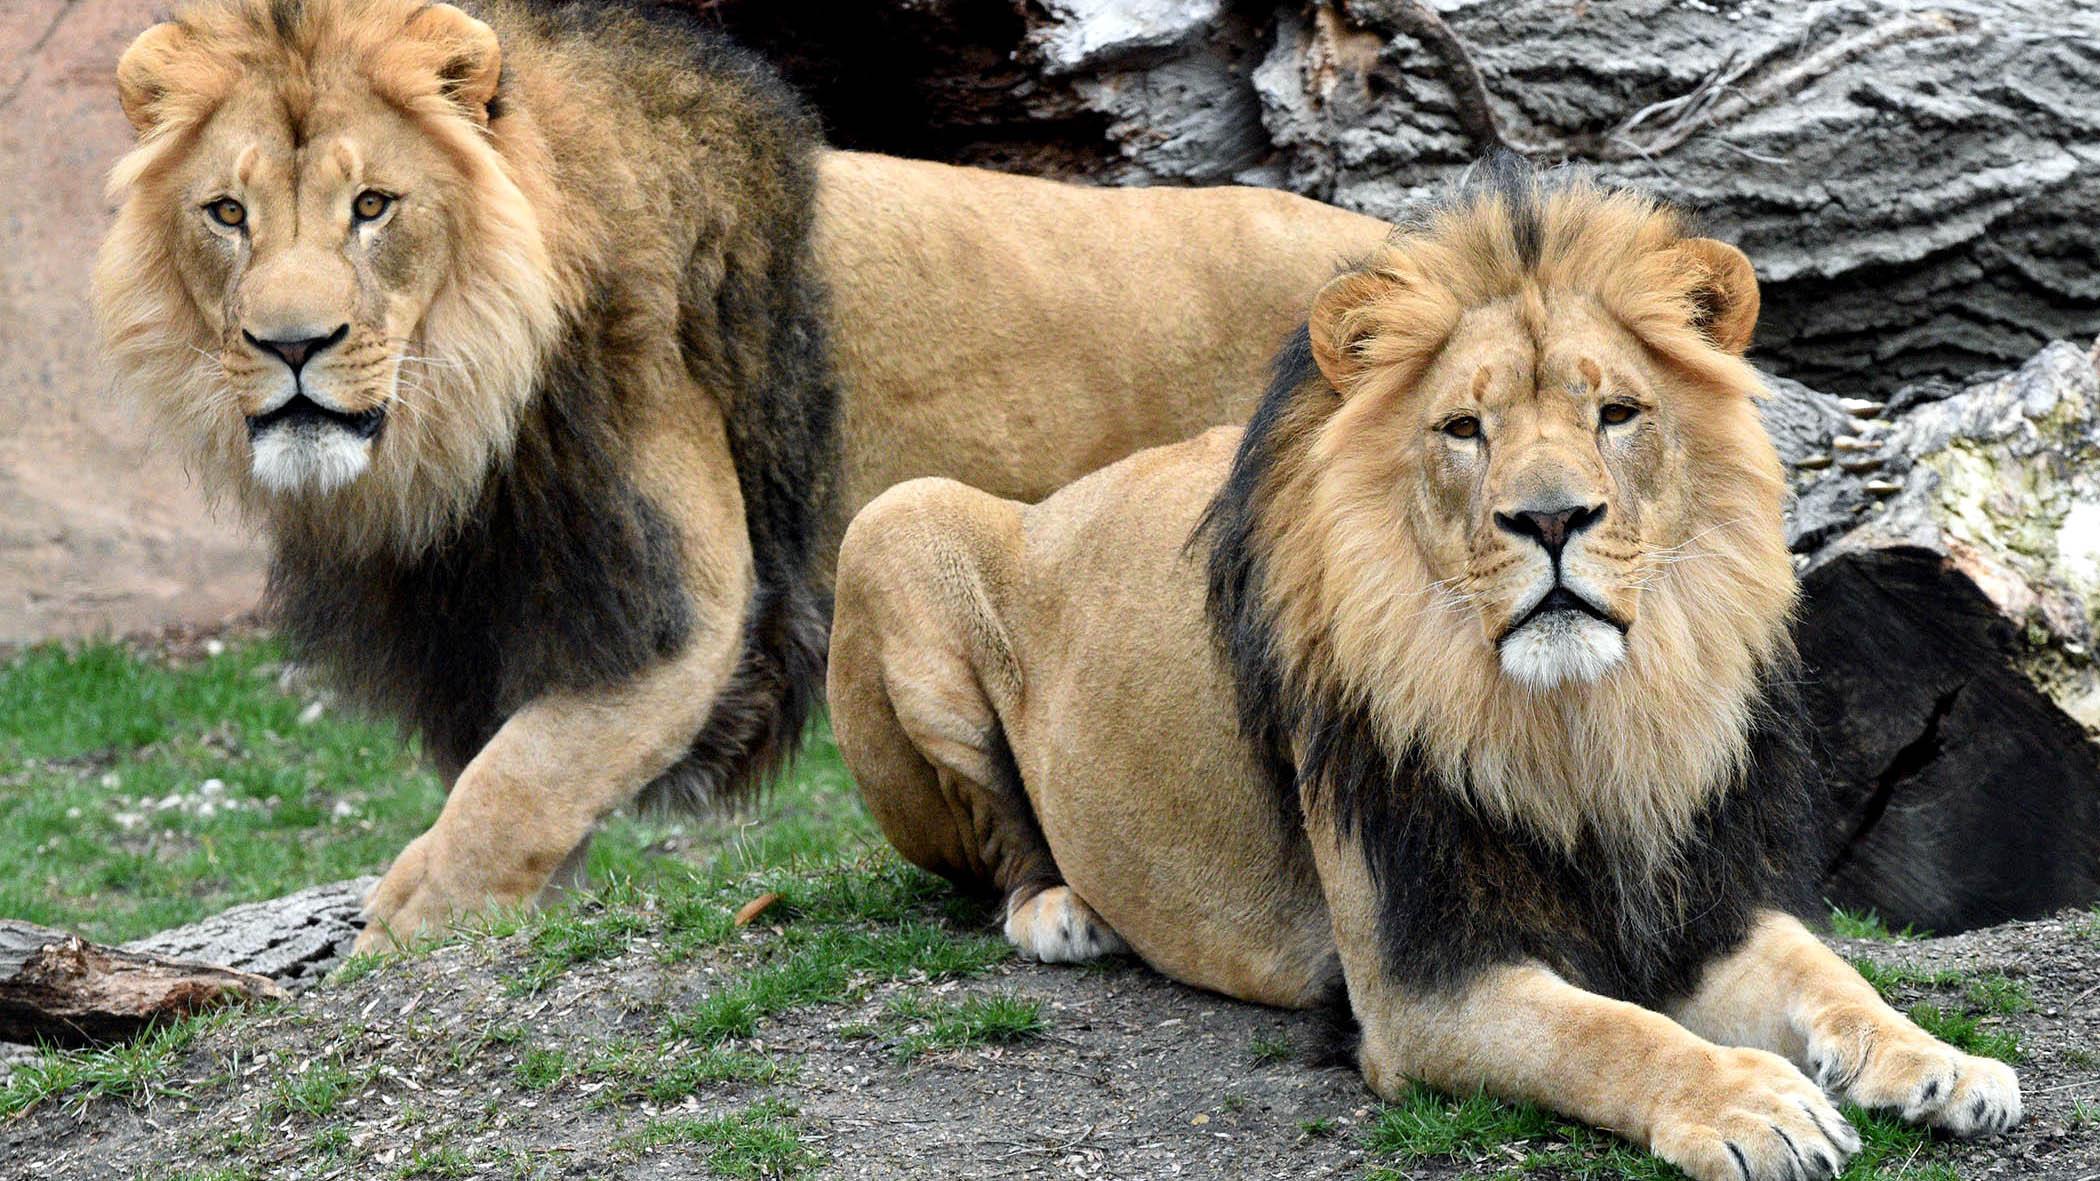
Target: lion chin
<point x="303" y="447"/>
<point x="1561" y="647"/>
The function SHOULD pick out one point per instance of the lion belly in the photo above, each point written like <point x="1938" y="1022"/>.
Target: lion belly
<point x="1127" y="745"/>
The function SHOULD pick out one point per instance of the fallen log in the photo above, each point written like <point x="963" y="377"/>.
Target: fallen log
<point x="59" y="989"/>
<point x="294" y="940"/>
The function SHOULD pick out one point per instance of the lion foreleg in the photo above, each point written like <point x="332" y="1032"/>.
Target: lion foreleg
<point x="1519" y="1031"/>
<point x="530" y="799"/>
<point x="1784" y="991"/>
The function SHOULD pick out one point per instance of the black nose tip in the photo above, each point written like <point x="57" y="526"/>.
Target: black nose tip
<point x="1551" y="528"/>
<point x="296" y="353"/>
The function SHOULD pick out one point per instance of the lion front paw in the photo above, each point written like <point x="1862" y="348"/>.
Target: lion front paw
<point x="1889" y="1066"/>
<point x="1753" y="1117"/>
<point x="423" y="894"/>
<point x="1056" y="926"/>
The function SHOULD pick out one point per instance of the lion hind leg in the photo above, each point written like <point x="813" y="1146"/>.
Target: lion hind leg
<point x="922" y="674"/>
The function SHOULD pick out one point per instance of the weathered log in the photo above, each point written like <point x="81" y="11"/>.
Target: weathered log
<point x="59" y="989"/>
<point x="1951" y="581"/>
<point x="1913" y="177"/>
<point x="294" y="940"/>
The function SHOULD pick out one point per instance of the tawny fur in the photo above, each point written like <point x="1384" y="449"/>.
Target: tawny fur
<point x="1330" y="784"/>
<point x="1372" y="613"/>
<point x="466" y="361"/>
<point x="631" y="304"/>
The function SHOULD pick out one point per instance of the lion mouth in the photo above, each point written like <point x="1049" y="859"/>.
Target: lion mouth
<point x="1557" y="601"/>
<point x="301" y="410"/>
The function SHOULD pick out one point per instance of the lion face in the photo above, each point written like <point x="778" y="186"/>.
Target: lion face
<point x="313" y="263"/>
<point x="1549" y="480"/>
<point x="1554" y="449"/>
<point x="325" y="279"/>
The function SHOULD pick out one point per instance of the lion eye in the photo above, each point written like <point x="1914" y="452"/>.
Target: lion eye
<point x="227" y="212"/>
<point x="1465" y="426"/>
<point x="1617" y="413"/>
<point x="370" y="204"/>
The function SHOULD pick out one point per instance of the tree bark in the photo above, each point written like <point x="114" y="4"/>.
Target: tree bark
<point x="294" y="940"/>
<point x="60" y="989"/>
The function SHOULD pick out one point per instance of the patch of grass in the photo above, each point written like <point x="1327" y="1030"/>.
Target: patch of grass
<point x="570" y="936"/>
<point x="1958" y="1023"/>
<point x="760" y="1141"/>
<point x="313" y="1092"/>
<point x="926" y="1026"/>
<point x="140" y="794"/>
<point x="668" y="1073"/>
<point x="1891" y="1150"/>
<point x="1269" y="1049"/>
<point x="823" y="965"/>
<point x="1865" y="924"/>
<point x="2080" y="1058"/>
<point x="1964" y="1032"/>
<point x="1997" y="993"/>
<point x="132" y="1072"/>
<point x="443" y="1161"/>
<point x="1318" y="1129"/>
<point x="1887" y="979"/>
<point x="541" y="1069"/>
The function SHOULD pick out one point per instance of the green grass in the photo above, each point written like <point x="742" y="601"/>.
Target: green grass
<point x="263" y="799"/>
<point x="1964" y="1022"/>
<point x="314" y="1092"/>
<point x="923" y="1026"/>
<point x="760" y="1141"/>
<point x="1865" y="924"/>
<point x="95" y="740"/>
<point x="1269" y="1049"/>
<point x="1964" y="1032"/>
<point x="133" y="1072"/>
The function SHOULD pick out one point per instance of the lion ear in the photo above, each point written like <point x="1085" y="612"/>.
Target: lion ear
<point x="142" y="73"/>
<point x="1337" y="326"/>
<point x="473" y="63"/>
<point x="1725" y="299"/>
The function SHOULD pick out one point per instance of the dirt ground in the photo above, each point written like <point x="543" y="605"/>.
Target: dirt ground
<point x="1133" y="1077"/>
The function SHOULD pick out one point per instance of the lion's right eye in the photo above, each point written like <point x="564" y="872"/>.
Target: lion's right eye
<point x="227" y="212"/>
<point x="1465" y="426"/>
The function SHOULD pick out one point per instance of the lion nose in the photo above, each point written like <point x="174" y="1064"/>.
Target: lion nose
<point x="296" y="353"/>
<point x="1551" y="527"/>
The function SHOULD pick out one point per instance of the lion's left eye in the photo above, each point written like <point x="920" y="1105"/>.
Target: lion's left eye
<point x="370" y="204"/>
<point x="1617" y="413"/>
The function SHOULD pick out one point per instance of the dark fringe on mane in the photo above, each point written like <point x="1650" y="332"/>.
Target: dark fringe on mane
<point x="1460" y="891"/>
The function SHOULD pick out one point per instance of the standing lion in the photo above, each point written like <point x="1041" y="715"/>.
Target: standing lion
<point x="1458" y="685"/>
<point x="552" y="350"/>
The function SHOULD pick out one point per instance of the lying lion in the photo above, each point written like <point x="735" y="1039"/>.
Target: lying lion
<point x="552" y="351"/>
<point x="1489" y="722"/>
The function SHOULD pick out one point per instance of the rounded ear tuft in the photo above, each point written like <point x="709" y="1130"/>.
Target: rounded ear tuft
<point x="1725" y="299"/>
<point x="142" y="73"/>
<point x="1336" y="326"/>
<point x="474" y="59"/>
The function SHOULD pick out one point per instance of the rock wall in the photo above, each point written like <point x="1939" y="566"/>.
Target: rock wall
<point x="98" y="533"/>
